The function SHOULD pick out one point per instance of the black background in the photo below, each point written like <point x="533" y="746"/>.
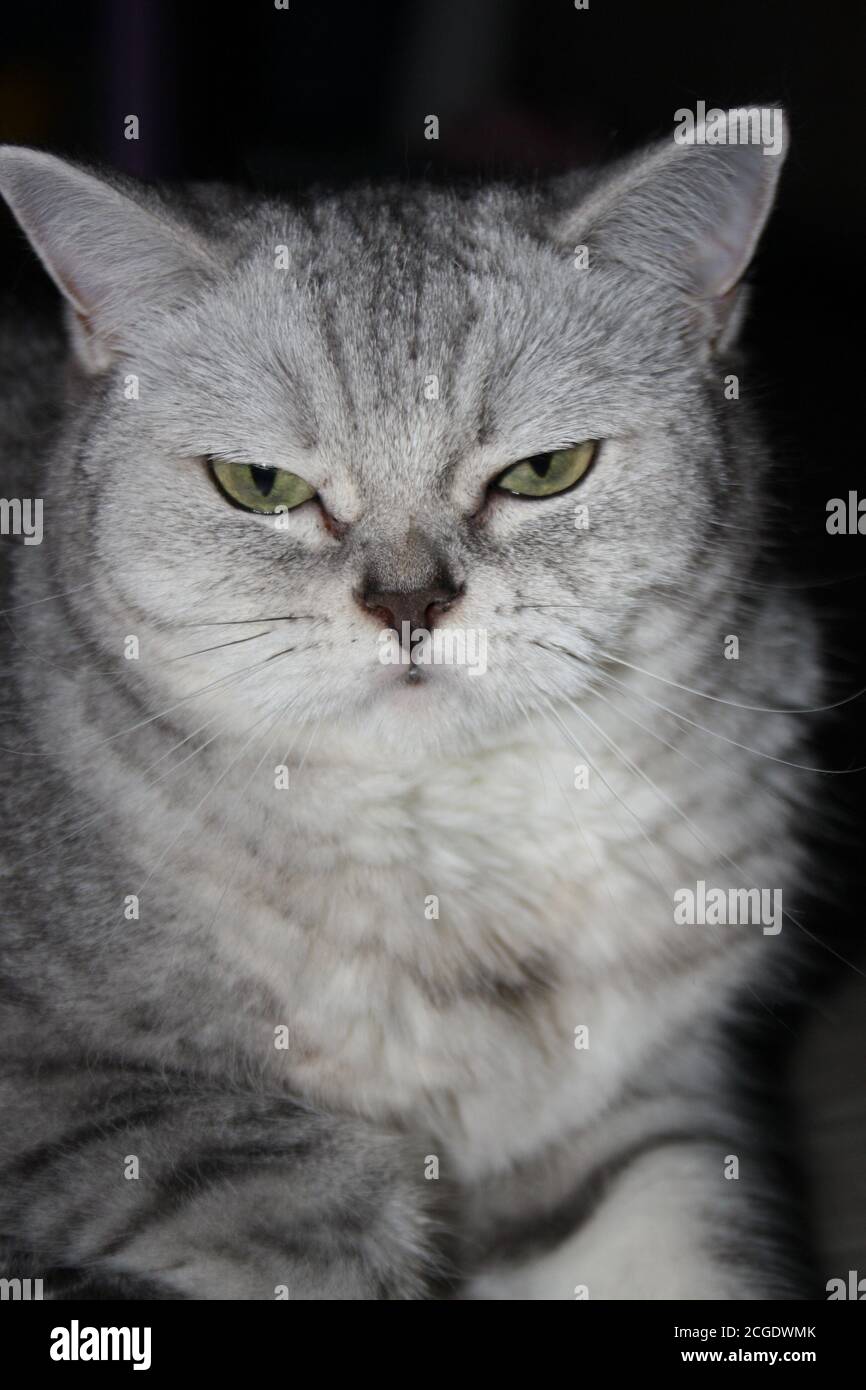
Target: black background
<point x="335" y="92"/>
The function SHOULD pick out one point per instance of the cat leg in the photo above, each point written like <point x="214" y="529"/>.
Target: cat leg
<point x="183" y="1190"/>
<point x="670" y="1225"/>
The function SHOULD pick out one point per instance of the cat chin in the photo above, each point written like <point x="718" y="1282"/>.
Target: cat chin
<point x="419" y="714"/>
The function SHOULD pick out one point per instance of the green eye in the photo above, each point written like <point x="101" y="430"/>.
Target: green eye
<point x="546" y="474"/>
<point x="260" y="489"/>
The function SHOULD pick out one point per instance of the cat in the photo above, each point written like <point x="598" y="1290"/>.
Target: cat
<point x="331" y="977"/>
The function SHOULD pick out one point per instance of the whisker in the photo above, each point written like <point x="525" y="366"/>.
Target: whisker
<point x="316" y="728"/>
<point x="602" y="877"/>
<point x="241" y="622"/>
<point x="116" y="672"/>
<point x="735" y="704"/>
<point x="734" y="743"/>
<point x="244" y="789"/>
<point x="629" y="693"/>
<point x="647" y="730"/>
<point x="211" y="789"/>
<point x="226" y="770"/>
<point x="196" y="694"/>
<point x="72" y="798"/>
<point x="62" y="593"/>
<point x="665" y="891"/>
<point x="712" y="850"/>
<point x="572" y="737"/>
<point x="147" y="786"/>
<point x="218" y="647"/>
<point x="663" y="888"/>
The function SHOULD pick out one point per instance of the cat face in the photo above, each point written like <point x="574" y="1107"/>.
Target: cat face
<point x="401" y="353"/>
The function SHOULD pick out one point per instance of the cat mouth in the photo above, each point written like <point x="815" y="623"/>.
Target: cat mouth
<point x="409" y="678"/>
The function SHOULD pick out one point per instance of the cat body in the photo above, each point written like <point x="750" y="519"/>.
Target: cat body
<point x="379" y="980"/>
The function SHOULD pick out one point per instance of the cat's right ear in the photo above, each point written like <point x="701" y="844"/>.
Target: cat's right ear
<point x="687" y="211"/>
<point x="112" y="257"/>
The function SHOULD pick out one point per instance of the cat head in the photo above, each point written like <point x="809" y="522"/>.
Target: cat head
<point x="496" y="415"/>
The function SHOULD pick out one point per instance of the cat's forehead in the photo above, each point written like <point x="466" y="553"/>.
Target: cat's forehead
<point x="397" y="329"/>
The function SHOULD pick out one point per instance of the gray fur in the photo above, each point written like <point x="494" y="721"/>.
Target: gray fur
<point x="408" y="1037"/>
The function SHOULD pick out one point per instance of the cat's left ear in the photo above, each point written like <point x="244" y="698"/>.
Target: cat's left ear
<point x="113" y="256"/>
<point x="690" y="210"/>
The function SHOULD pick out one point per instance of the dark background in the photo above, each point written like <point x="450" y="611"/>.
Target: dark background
<point x="336" y="92"/>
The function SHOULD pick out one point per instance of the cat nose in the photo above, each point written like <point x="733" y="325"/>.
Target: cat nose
<point x="418" y="607"/>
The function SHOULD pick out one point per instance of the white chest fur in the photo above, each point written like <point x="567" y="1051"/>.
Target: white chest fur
<point x="440" y="942"/>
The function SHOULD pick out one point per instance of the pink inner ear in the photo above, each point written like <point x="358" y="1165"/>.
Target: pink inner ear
<point x="719" y="265"/>
<point x="82" y="321"/>
<point x="734" y="242"/>
<point x="691" y="215"/>
<point x="76" y="298"/>
<point x="107" y="252"/>
<point x="92" y="354"/>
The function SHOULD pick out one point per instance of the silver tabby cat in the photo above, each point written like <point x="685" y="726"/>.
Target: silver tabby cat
<point x="332" y="977"/>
